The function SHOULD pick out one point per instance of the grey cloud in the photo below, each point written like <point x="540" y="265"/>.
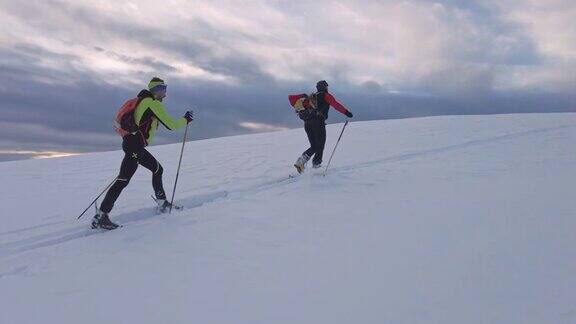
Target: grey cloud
<point x="190" y="48"/>
<point x="33" y="51"/>
<point x="160" y="67"/>
<point x="492" y="42"/>
<point x="63" y="126"/>
<point x="372" y="86"/>
<point x="199" y="52"/>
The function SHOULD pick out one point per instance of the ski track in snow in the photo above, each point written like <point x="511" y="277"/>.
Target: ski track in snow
<point x="14" y="272"/>
<point x="129" y="219"/>
<point x="196" y="201"/>
<point x="80" y="231"/>
<point x="451" y="148"/>
<point x="29" y="228"/>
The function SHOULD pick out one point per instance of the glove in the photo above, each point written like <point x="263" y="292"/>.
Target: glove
<point x="349" y="114"/>
<point x="189" y="115"/>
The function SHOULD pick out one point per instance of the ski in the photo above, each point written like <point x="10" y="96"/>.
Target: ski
<point x="96" y="230"/>
<point x="160" y="210"/>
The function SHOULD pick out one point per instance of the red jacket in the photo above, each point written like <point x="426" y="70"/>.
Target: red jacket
<point x="334" y="103"/>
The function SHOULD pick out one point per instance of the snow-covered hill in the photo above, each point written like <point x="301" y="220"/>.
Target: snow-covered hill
<point x="467" y="219"/>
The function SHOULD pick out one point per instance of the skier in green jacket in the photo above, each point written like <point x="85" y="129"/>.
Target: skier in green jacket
<point x="149" y="111"/>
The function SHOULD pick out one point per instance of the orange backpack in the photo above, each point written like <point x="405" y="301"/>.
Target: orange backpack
<point x="125" y="123"/>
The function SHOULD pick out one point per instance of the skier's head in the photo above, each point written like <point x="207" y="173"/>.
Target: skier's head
<point x="157" y="87"/>
<point x="322" y="85"/>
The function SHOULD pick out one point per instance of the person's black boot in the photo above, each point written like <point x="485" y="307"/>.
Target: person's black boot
<point x="164" y="206"/>
<point x="101" y="220"/>
<point x="300" y="164"/>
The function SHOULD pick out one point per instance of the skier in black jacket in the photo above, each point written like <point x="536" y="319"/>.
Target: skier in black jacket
<point x="315" y="124"/>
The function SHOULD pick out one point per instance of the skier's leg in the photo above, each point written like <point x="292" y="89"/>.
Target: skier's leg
<point x="127" y="169"/>
<point x="320" y="135"/>
<point x="149" y="162"/>
<point x="131" y="144"/>
<point x="311" y="138"/>
<point x="300" y="164"/>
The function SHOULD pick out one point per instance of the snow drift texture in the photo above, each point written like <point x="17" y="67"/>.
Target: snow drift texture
<point x="432" y="220"/>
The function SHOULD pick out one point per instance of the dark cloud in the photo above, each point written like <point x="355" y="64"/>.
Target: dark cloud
<point x="193" y="48"/>
<point x="79" y="119"/>
<point x="372" y="86"/>
<point x="149" y="62"/>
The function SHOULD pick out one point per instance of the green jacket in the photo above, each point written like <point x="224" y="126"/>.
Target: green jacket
<point x="149" y="112"/>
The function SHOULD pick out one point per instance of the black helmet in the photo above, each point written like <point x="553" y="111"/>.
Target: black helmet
<point x="322" y="85"/>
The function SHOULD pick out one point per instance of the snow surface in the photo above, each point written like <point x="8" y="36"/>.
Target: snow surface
<point x="466" y="219"/>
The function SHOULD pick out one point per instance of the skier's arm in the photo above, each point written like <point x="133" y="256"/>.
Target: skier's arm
<point x="338" y="106"/>
<point x="160" y="113"/>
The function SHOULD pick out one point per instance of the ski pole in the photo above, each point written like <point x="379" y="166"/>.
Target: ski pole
<point x="93" y="201"/>
<point x="335" y="146"/>
<point x="178" y="171"/>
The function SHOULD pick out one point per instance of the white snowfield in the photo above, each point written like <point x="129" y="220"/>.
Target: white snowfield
<point x="457" y="219"/>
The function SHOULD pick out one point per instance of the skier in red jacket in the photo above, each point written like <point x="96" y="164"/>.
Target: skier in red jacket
<point x="315" y="122"/>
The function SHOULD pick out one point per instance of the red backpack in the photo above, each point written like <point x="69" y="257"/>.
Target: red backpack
<point x="305" y="105"/>
<point x="125" y="123"/>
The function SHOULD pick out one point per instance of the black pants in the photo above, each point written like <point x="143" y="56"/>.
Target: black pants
<point x="135" y="153"/>
<point x="316" y="131"/>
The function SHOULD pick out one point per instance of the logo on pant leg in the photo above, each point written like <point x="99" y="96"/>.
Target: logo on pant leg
<point x="135" y="155"/>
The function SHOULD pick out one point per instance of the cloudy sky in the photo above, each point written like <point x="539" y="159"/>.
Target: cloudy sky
<point x="66" y="66"/>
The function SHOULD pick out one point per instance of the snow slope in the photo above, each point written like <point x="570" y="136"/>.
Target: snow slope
<point x="466" y="219"/>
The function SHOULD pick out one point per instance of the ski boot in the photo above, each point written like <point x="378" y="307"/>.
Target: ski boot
<point x="316" y="166"/>
<point x="164" y="206"/>
<point x="300" y="164"/>
<point x="101" y="220"/>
